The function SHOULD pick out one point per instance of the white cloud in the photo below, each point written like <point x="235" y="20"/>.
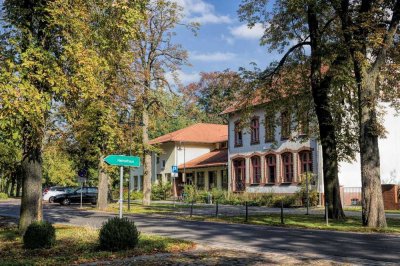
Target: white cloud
<point x="201" y="12"/>
<point x="227" y="39"/>
<point x="244" y="32"/>
<point x="183" y="78"/>
<point x="214" y="57"/>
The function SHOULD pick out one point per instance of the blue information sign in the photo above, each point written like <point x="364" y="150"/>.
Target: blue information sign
<point x="174" y="169"/>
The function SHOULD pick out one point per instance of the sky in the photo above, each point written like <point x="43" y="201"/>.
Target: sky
<point x="223" y="42"/>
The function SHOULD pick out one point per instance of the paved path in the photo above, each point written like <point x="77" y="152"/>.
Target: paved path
<point x="237" y="210"/>
<point x="375" y="247"/>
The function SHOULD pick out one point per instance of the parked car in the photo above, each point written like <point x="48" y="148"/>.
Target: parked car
<point x="89" y="195"/>
<point x="51" y="192"/>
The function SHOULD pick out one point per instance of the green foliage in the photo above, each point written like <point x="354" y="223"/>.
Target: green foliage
<point x="58" y="167"/>
<point x="312" y="192"/>
<point x="190" y="193"/>
<point x="212" y="94"/>
<point x="118" y="234"/>
<point x="161" y="191"/>
<point x="3" y="195"/>
<point x="252" y="199"/>
<point x="39" y="235"/>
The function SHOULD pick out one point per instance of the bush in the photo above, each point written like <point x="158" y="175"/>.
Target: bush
<point x="312" y="192"/>
<point x="3" y="195"/>
<point x="288" y="201"/>
<point x="190" y="193"/>
<point x="118" y="234"/>
<point x="161" y="191"/>
<point x="135" y="195"/>
<point x="39" y="235"/>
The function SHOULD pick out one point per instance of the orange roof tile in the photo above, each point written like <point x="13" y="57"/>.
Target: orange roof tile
<point x="213" y="158"/>
<point x="197" y="133"/>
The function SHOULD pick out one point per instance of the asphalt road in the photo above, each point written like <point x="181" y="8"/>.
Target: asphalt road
<point x="351" y="246"/>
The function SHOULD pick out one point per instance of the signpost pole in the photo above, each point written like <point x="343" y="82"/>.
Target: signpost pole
<point x="121" y="183"/>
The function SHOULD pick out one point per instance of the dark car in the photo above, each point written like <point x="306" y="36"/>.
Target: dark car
<point x="89" y="195"/>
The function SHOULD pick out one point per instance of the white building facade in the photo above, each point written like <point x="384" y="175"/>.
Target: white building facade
<point x="270" y="153"/>
<point x="200" y="153"/>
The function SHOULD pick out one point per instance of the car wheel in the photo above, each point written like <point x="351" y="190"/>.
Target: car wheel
<point x="51" y="200"/>
<point x="66" y="202"/>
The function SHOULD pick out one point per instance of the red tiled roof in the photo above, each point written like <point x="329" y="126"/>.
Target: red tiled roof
<point x="213" y="158"/>
<point x="197" y="133"/>
<point x="279" y="85"/>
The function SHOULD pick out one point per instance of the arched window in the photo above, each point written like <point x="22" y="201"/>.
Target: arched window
<point x="255" y="170"/>
<point x="271" y="168"/>
<point x="287" y="165"/>
<point x="255" y="130"/>
<point x="239" y="167"/>
<point x="305" y="162"/>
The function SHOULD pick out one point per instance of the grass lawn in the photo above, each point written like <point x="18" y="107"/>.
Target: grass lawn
<point x="358" y="209"/>
<point x="303" y="221"/>
<point x="78" y="245"/>
<point x="160" y="208"/>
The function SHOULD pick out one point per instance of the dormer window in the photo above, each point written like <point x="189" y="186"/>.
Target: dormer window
<point x="285" y="125"/>
<point x="238" y="135"/>
<point x="269" y="129"/>
<point x="255" y="130"/>
<point x="303" y="126"/>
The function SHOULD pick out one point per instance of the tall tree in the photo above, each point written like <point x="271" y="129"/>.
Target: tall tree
<point x="213" y="93"/>
<point x="370" y="30"/>
<point x="34" y="80"/>
<point x="305" y="23"/>
<point x="93" y="119"/>
<point x="156" y="55"/>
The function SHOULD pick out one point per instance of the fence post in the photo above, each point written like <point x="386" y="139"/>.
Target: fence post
<point x="216" y="208"/>
<point x="191" y="208"/>
<point x="327" y="212"/>
<point x="247" y="211"/>
<point x="308" y="195"/>
<point x="282" y="222"/>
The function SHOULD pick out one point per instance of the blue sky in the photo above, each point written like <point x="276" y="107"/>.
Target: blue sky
<point x="222" y="42"/>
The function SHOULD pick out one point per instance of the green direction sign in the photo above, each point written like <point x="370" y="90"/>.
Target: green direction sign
<point x="122" y="160"/>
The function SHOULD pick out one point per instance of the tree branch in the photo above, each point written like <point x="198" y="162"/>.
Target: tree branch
<point x="388" y="39"/>
<point x="266" y="75"/>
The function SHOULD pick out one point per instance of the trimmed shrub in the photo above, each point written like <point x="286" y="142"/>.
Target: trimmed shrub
<point x="161" y="191"/>
<point x="118" y="234"/>
<point x="39" y="235"/>
<point x="288" y="201"/>
<point x="3" y="195"/>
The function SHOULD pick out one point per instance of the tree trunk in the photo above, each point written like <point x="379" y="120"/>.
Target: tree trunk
<point x="102" y="199"/>
<point x="320" y="90"/>
<point x="147" y="161"/>
<point x="19" y="182"/>
<point x="373" y="213"/>
<point x="13" y="181"/>
<point x="31" y="201"/>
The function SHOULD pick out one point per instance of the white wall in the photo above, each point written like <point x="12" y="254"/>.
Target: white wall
<point x="389" y="147"/>
<point x="278" y="146"/>
<point x="190" y="151"/>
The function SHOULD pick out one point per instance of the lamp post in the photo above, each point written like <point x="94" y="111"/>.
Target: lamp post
<point x="184" y="160"/>
<point x="130" y="123"/>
